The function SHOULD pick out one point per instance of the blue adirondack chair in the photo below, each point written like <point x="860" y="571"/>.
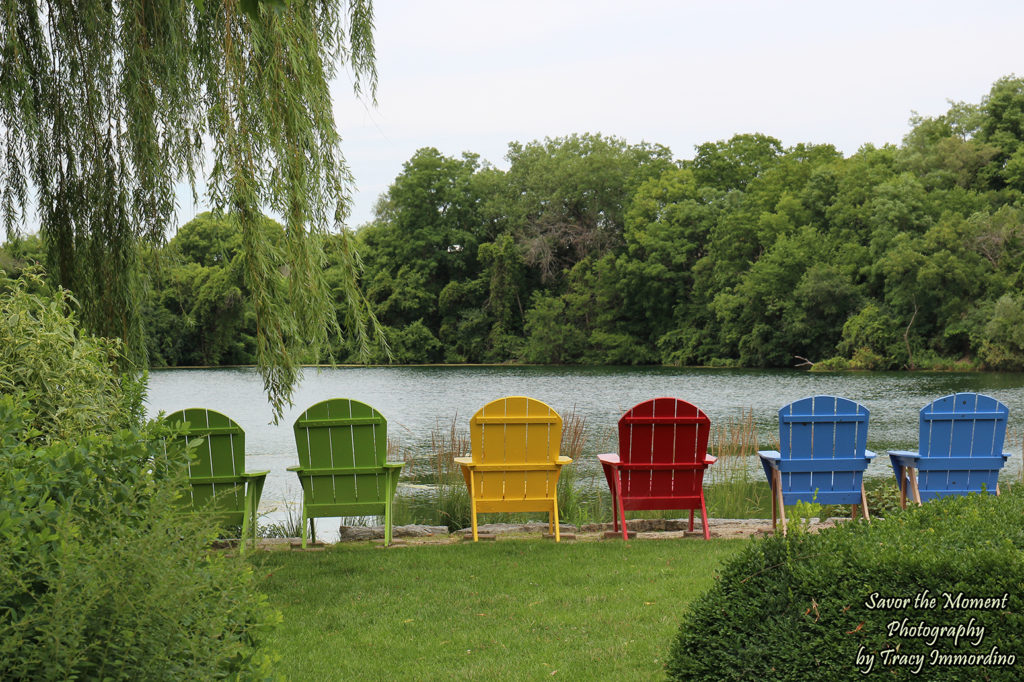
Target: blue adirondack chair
<point x="960" y="449"/>
<point x="823" y="443"/>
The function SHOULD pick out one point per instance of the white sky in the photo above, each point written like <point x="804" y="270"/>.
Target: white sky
<point x="474" y="75"/>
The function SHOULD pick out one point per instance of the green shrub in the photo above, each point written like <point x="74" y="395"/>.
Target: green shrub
<point x="800" y="607"/>
<point x="70" y="380"/>
<point x="102" y="578"/>
<point x="101" y="575"/>
<point x="833" y="364"/>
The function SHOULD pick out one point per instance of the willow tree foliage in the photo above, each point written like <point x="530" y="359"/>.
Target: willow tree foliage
<point x="106" y="105"/>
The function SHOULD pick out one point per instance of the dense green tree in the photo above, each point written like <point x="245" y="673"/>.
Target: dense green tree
<point x="568" y="196"/>
<point x="732" y="164"/>
<point x="590" y="250"/>
<point x="425" y="236"/>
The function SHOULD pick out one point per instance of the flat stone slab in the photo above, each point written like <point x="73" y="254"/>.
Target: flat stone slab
<point x="646" y="525"/>
<point x="506" y="528"/>
<point x="617" y="534"/>
<point x="481" y="537"/>
<point x="352" y="533"/>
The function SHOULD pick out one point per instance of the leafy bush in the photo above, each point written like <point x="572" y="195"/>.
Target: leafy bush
<point x="70" y="380"/>
<point x="101" y="575"/>
<point x="102" y="578"/>
<point x="833" y="364"/>
<point x="800" y="607"/>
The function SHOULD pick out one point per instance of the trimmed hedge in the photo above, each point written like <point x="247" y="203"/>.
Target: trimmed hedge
<point x="811" y="606"/>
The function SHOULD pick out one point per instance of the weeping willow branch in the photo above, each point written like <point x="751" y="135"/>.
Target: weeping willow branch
<point x="106" y="105"/>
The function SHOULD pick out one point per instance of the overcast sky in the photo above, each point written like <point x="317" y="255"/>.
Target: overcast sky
<point x="473" y="75"/>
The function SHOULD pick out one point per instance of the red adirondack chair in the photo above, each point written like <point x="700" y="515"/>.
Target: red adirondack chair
<point x="663" y="453"/>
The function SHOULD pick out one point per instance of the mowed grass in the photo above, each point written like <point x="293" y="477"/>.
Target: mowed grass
<point x="510" y="610"/>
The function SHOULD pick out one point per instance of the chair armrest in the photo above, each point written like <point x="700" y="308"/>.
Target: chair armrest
<point x="394" y="465"/>
<point x="901" y="455"/>
<point x="770" y="457"/>
<point x="563" y="460"/>
<point x="468" y="461"/>
<point x="710" y="459"/>
<point x="609" y="458"/>
<point x="255" y="474"/>
<point x="870" y="455"/>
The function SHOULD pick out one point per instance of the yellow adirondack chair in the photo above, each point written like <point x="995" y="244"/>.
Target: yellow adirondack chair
<point x="515" y="462"/>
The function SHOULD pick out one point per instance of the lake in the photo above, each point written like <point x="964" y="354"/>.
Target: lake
<point x="416" y="400"/>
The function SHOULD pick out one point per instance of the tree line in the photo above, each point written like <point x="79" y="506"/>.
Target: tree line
<point x="591" y="250"/>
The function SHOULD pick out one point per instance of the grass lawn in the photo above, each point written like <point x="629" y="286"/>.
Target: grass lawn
<point x="513" y="609"/>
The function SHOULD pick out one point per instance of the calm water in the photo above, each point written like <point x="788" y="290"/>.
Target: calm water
<point x="415" y="400"/>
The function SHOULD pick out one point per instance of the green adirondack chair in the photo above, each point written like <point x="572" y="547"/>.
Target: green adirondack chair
<point x="219" y="484"/>
<point x="343" y="467"/>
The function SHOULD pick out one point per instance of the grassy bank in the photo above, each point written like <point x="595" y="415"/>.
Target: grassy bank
<point x="526" y="609"/>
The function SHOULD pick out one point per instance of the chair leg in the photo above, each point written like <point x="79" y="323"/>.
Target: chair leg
<point x="472" y="503"/>
<point x="774" y="511"/>
<point x="913" y="485"/>
<point x="615" y="512"/>
<point x="621" y="505"/>
<point x="778" y="496"/>
<point x="245" y="528"/>
<point x="902" y="483"/>
<point x="703" y="517"/>
<point x="691" y="517"/>
<point x="864" y="501"/>
<point x="853" y="511"/>
<point x="304" y="524"/>
<point x="554" y="513"/>
<point x="312" y="530"/>
<point x="387" y="523"/>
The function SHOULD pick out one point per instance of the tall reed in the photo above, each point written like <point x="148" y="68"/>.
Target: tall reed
<point x="452" y="496"/>
<point x="732" y="490"/>
<point x="580" y="499"/>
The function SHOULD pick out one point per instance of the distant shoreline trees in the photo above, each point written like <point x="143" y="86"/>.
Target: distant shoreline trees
<point x="590" y="250"/>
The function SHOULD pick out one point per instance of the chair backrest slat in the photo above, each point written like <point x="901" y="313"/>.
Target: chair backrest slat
<point x="963" y="425"/>
<point x="216" y="466"/>
<point x="341" y="433"/>
<point x="515" y="430"/>
<point x="223" y="450"/>
<point x="663" y="431"/>
<point x="817" y="432"/>
<point x="823" y="426"/>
